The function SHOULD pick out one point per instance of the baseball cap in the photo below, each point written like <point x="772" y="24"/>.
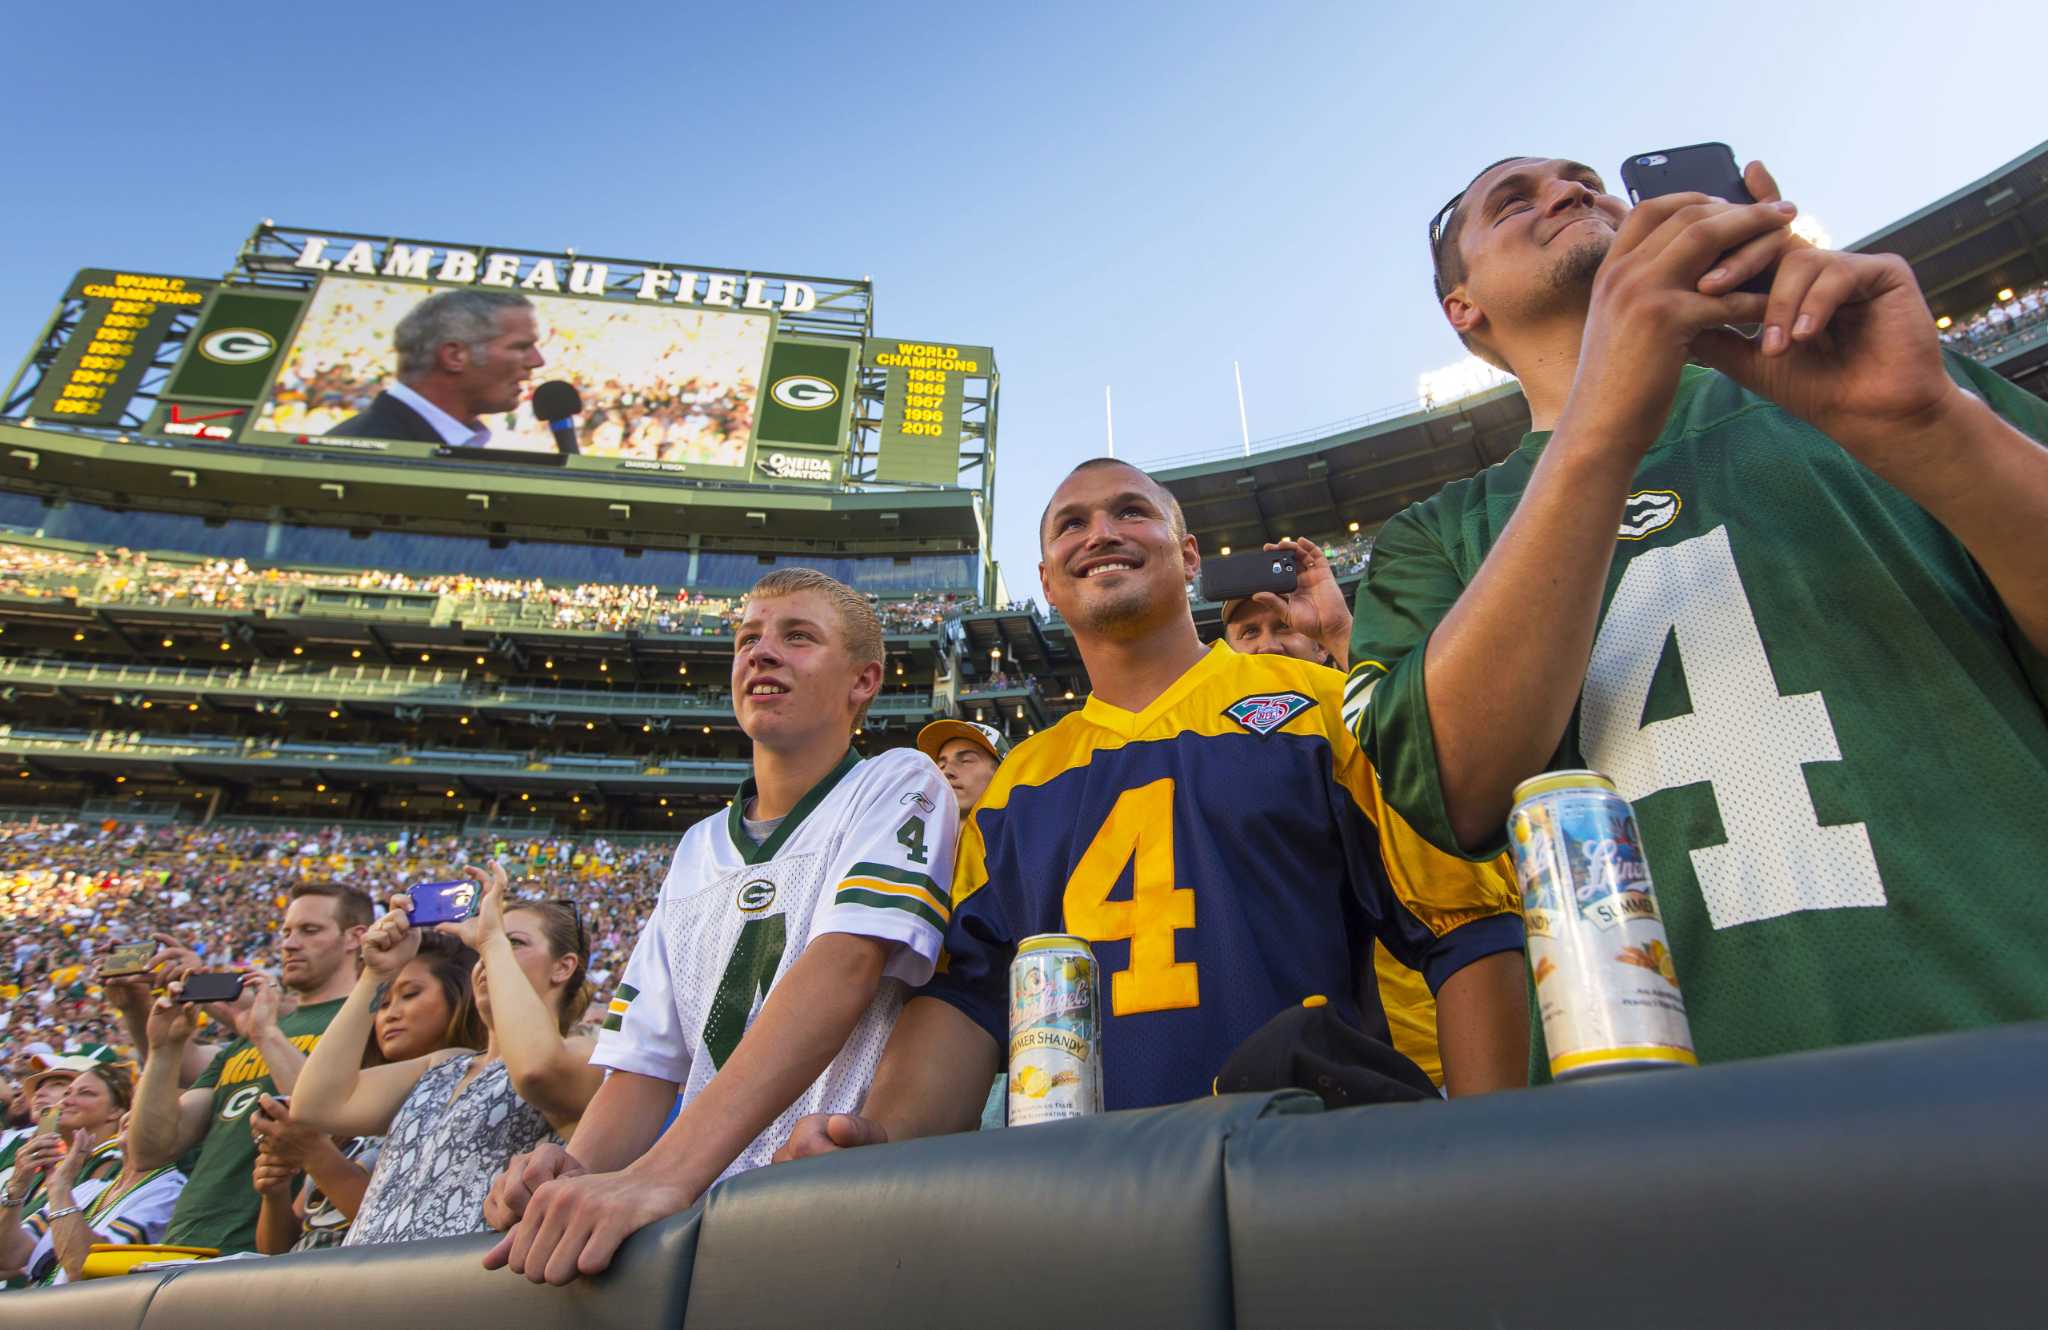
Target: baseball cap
<point x="67" y="1067"/>
<point x="937" y="734"/>
<point x="1309" y="1047"/>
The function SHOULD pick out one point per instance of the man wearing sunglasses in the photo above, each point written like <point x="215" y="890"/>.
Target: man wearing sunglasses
<point x="1788" y="592"/>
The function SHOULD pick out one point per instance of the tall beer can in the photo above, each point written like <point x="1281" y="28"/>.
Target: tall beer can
<point x="1055" y="1030"/>
<point x="1605" y="983"/>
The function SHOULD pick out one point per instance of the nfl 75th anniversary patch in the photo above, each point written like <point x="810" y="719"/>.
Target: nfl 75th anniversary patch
<point x="1264" y="713"/>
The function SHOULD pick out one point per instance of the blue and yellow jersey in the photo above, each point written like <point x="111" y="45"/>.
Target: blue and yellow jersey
<point x="1227" y="853"/>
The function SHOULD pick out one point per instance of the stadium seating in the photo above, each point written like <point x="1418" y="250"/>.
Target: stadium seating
<point x="1888" y="1185"/>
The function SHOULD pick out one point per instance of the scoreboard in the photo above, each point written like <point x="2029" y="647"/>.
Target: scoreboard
<point x="125" y="318"/>
<point x="686" y="371"/>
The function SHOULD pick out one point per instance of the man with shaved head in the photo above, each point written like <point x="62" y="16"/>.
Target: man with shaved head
<point x="1209" y="826"/>
<point x="1788" y="592"/>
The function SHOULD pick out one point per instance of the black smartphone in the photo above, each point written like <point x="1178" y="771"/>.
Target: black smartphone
<point x="133" y="958"/>
<point x="443" y="902"/>
<point x="1235" y="576"/>
<point x="211" y="986"/>
<point x="1697" y="168"/>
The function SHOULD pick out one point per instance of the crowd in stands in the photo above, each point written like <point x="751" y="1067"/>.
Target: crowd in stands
<point x="1987" y="329"/>
<point x="68" y="890"/>
<point x="447" y="1053"/>
<point x="235" y="584"/>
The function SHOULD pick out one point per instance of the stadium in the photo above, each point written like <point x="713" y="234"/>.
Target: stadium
<point x="227" y="630"/>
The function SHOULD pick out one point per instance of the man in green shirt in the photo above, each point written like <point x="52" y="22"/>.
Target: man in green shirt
<point x="318" y="950"/>
<point x="1795" y="604"/>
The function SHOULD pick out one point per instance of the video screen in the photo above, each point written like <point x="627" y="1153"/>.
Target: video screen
<point x="662" y="382"/>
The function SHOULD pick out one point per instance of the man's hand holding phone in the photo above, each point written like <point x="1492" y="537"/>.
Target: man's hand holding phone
<point x="1848" y="342"/>
<point x="1648" y="308"/>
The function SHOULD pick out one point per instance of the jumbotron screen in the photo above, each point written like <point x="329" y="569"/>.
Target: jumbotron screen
<point x="659" y="382"/>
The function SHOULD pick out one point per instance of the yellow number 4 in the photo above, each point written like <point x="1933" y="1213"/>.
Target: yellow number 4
<point x="1138" y="831"/>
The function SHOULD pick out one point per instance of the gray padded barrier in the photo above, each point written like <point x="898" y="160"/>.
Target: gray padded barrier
<point x="1113" y="1221"/>
<point x="96" y="1304"/>
<point x="1888" y="1185"/>
<point x="440" y="1284"/>
<point x="1896" y="1184"/>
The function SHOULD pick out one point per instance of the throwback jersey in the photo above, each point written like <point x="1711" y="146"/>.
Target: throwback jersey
<point x="1227" y="853"/>
<point x="1830" y="728"/>
<point x="868" y="851"/>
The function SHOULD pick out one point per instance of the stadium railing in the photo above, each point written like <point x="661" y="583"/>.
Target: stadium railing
<point x="1886" y="1185"/>
<point x="415" y="685"/>
<point x="344" y="757"/>
<point x="34" y="569"/>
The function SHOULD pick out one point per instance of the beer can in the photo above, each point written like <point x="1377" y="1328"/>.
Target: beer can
<point x="1605" y="982"/>
<point x="1055" y="1031"/>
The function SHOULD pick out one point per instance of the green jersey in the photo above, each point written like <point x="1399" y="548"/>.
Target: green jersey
<point x="219" y="1204"/>
<point x="1830" y="728"/>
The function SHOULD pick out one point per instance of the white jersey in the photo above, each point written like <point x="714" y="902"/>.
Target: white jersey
<point x="868" y="851"/>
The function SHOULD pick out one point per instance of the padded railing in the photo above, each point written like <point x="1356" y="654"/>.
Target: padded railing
<point x="1888" y="1185"/>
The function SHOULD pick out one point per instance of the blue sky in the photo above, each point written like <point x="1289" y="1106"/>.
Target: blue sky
<point x="1130" y="194"/>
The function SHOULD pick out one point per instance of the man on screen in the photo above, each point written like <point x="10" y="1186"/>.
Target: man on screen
<point x="462" y="355"/>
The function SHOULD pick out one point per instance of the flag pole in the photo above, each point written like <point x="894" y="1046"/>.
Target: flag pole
<point x="1243" y="429"/>
<point x="1109" y="419"/>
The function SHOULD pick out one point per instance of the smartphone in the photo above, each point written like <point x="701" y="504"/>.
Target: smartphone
<point x="133" y="958"/>
<point x="1235" y="576"/>
<point x="443" y="902"/>
<point x="1697" y="168"/>
<point x="46" y="1124"/>
<point x="212" y="986"/>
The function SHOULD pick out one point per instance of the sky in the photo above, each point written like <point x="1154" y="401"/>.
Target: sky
<point x="1131" y="195"/>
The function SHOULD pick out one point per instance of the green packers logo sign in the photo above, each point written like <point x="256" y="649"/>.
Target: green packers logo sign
<point x="805" y="401"/>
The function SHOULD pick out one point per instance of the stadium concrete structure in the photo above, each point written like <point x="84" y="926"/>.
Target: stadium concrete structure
<point x="431" y="693"/>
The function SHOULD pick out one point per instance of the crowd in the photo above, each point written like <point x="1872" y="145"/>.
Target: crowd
<point x="1291" y="875"/>
<point x="1986" y="329"/>
<point x="235" y="584"/>
<point x="69" y="890"/>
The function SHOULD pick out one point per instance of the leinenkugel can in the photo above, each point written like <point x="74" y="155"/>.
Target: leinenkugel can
<point x="1605" y="983"/>
<point x="1055" y="1030"/>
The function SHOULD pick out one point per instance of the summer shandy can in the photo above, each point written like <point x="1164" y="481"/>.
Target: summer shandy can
<point x="1055" y="1031"/>
<point x="1604" y="979"/>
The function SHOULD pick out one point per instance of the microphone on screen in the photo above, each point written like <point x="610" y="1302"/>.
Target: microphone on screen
<point x="558" y="404"/>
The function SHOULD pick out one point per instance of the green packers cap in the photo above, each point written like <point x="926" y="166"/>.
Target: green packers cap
<point x="934" y="736"/>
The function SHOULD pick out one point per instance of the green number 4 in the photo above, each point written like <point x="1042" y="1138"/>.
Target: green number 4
<point x="911" y="837"/>
<point x="755" y="958"/>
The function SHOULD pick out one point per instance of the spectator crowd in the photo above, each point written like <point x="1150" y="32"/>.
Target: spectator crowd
<point x="1987" y="329"/>
<point x="343" y="1036"/>
<point x="140" y="577"/>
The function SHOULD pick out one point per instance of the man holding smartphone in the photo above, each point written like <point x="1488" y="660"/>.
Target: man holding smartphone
<point x="1794" y="604"/>
<point x="1214" y="832"/>
<point x="319" y="945"/>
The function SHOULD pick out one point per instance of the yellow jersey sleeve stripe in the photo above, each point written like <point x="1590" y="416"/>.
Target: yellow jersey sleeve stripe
<point x="887" y="888"/>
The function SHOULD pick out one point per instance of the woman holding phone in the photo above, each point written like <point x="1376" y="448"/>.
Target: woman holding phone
<point x="429" y="1006"/>
<point x="134" y="1205"/>
<point x="453" y="1119"/>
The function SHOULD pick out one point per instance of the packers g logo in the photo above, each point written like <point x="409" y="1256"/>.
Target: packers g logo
<point x="756" y="896"/>
<point x="804" y="392"/>
<point x="240" y="1102"/>
<point x="237" y="346"/>
<point x="1648" y="511"/>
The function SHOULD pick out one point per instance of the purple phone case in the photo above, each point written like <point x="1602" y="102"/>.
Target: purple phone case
<point x="442" y="902"/>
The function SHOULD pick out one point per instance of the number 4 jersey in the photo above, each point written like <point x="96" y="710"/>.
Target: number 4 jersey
<point x="1829" y="726"/>
<point x="868" y="851"/>
<point x="1227" y="854"/>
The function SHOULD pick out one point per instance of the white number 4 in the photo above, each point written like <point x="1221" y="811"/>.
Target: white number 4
<point x="1742" y="737"/>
